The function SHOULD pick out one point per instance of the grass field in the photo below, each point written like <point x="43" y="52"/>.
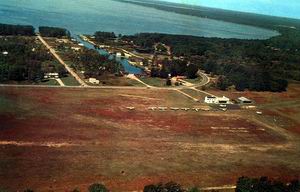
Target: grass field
<point x="57" y="139"/>
<point x="70" y="81"/>
<point x="154" y="81"/>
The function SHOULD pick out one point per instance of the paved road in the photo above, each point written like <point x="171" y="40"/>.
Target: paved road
<point x="52" y="51"/>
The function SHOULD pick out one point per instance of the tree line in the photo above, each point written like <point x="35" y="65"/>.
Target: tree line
<point x="261" y="65"/>
<point x="25" y="30"/>
<point x="29" y="30"/>
<point x="54" y="32"/>
<point x="244" y="184"/>
<point x="101" y="36"/>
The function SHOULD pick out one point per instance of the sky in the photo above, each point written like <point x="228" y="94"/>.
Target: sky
<point x="284" y="8"/>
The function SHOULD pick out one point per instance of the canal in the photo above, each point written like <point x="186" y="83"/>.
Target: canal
<point x="128" y="68"/>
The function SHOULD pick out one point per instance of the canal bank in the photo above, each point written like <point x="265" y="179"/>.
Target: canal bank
<point x="128" y="68"/>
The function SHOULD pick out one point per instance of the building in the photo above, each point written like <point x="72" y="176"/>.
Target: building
<point x="244" y="100"/>
<point x="223" y="100"/>
<point x="216" y="100"/>
<point x="210" y="99"/>
<point x="118" y="55"/>
<point x="51" y="75"/>
<point x="94" y="81"/>
<point x="75" y="48"/>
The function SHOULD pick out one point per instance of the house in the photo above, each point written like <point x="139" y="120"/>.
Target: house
<point x="216" y="100"/>
<point x="118" y="55"/>
<point x="94" y="81"/>
<point x="210" y="99"/>
<point x="51" y="75"/>
<point x="244" y="100"/>
<point x="223" y="100"/>
<point x="75" y="48"/>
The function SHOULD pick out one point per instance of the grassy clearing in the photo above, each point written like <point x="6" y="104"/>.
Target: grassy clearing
<point x="194" y="81"/>
<point x="49" y="82"/>
<point x="154" y="81"/>
<point x="70" y="81"/>
<point x="5" y="104"/>
<point x="197" y="94"/>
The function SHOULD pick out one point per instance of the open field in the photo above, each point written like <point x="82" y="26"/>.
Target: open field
<point x="282" y="109"/>
<point x="57" y="139"/>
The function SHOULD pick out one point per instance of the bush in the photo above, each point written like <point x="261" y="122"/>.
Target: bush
<point x="264" y="184"/>
<point x="98" y="188"/>
<point x="168" y="187"/>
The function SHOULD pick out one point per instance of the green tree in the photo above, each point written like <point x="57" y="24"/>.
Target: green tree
<point x="191" y="71"/>
<point x="98" y="188"/>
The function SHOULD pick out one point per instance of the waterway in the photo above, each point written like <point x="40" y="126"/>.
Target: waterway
<point x="124" y="62"/>
<point x="88" y="16"/>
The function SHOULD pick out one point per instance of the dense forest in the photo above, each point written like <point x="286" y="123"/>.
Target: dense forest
<point x="93" y="64"/>
<point x="262" y="65"/>
<point x="102" y="37"/>
<point x="25" y="30"/>
<point x="54" y="32"/>
<point x="22" y="59"/>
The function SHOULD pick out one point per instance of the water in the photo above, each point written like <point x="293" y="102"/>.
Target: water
<point x="88" y="16"/>
<point x="124" y="62"/>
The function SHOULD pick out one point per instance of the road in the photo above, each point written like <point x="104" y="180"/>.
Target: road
<point x="61" y="83"/>
<point x="205" y="79"/>
<point x="52" y="51"/>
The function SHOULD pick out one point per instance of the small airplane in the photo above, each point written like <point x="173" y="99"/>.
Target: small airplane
<point x="196" y="109"/>
<point x="185" y="109"/>
<point x="162" y="108"/>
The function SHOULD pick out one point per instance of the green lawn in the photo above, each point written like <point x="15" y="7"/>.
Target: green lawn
<point x="70" y="81"/>
<point x="194" y="81"/>
<point x="5" y="104"/>
<point x="49" y="82"/>
<point x="154" y="81"/>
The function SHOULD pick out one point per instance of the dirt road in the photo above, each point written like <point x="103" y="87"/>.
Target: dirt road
<point x="52" y="51"/>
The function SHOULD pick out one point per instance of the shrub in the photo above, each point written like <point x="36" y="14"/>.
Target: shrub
<point x="168" y="187"/>
<point x="98" y="188"/>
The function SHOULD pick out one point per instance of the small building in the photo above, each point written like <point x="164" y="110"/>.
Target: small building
<point x="216" y="100"/>
<point x="210" y="99"/>
<point x="118" y="55"/>
<point x="223" y="100"/>
<point x="244" y="100"/>
<point x="4" y="53"/>
<point x="75" y="48"/>
<point x="51" y="75"/>
<point x="94" y="81"/>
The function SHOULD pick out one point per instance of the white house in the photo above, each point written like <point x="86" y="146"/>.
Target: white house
<point x="119" y="55"/>
<point x="244" y="100"/>
<point x="216" y="100"/>
<point x="223" y="100"/>
<point x="94" y="81"/>
<point x="75" y="48"/>
<point x="210" y="99"/>
<point x="51" y="75"/>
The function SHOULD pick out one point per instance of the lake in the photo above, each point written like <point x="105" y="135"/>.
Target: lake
<point x="88" y="16"/>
